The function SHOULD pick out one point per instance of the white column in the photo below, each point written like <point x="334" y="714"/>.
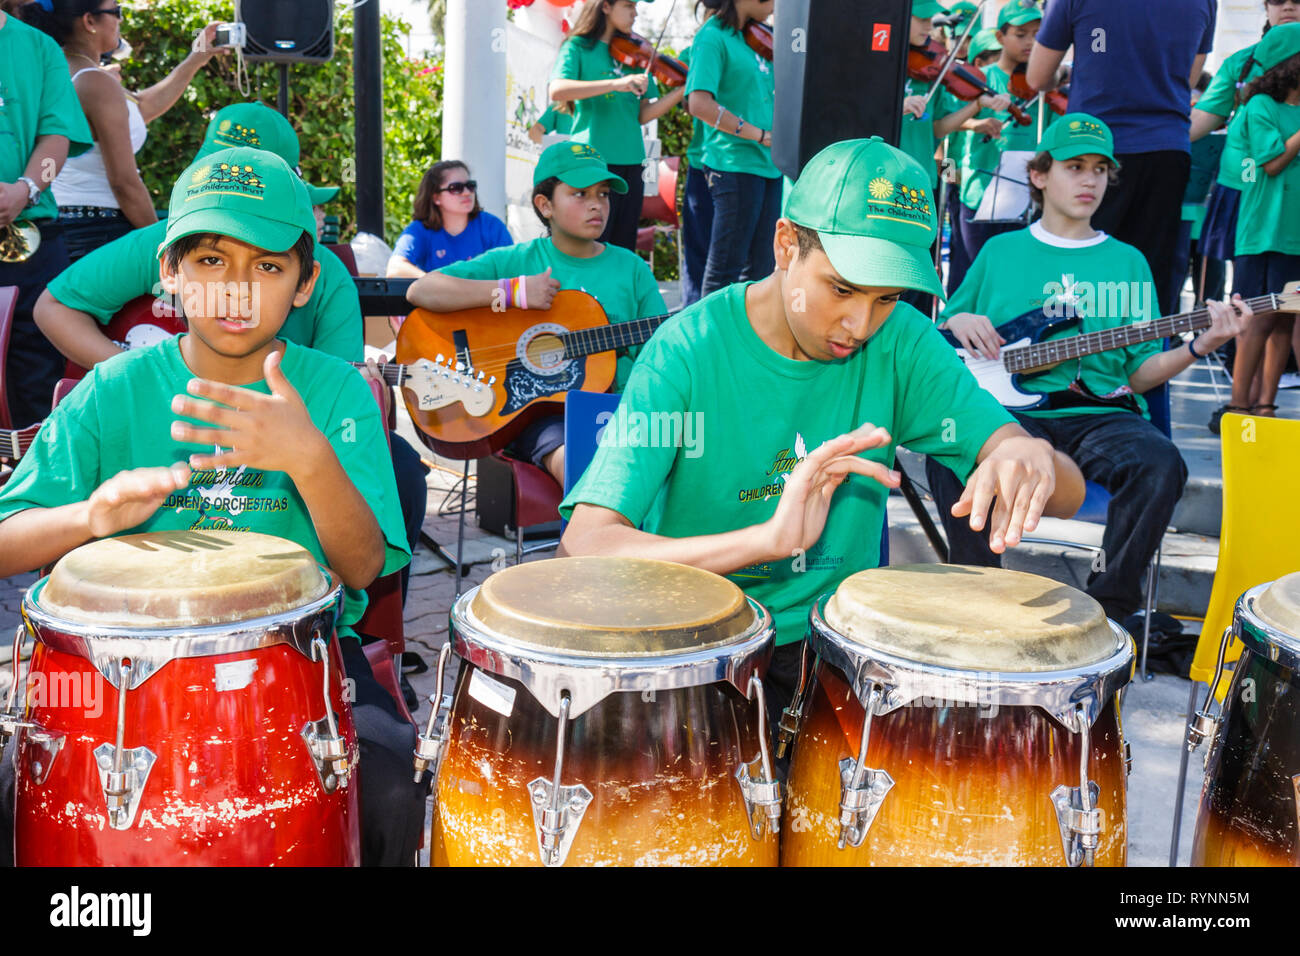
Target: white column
<point x="474" y="95"/>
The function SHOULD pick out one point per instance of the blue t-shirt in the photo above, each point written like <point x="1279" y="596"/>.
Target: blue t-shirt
<point x="1132" y="59"/>
<point x="430" y="249"/>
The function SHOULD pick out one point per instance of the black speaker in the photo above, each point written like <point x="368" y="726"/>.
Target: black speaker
<point x="839" y="67"/>
<point x="288" y="31"/>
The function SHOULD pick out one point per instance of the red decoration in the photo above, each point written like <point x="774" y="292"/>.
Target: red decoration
<point x="516" y="4"/>
<point x="880" y="36"/>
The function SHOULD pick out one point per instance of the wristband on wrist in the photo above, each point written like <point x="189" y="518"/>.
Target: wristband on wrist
<point x="717" y="124"/>
<point x="1191" y="347"/>
<point x="523" y="293"/>
<point x="740" y="124"/>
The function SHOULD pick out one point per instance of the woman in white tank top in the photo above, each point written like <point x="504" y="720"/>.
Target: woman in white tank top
<point x="100" y="193"/>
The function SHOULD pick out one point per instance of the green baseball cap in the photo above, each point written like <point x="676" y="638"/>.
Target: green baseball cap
<point x="1279" y="43"/>
<point x="927" y="9"/>
<point x="320" y="195"/>
<point x="1017" y="12"/>
<point x="984" y="41"/>
<point x="244" y="193"/>
<point x="871" y="207"/>
<point x="1078" y="134"/>
<point x="251" y="124"/>
<point x="576" y="165"/>
<point x="963" y="10"/>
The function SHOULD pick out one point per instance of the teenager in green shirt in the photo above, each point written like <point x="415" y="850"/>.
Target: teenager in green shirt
<point x="1267" y="129"/>
<point x="730" y="89"/>
<point x="41" y="124"/>
<point x="231" y="427"/>
<point x="1018" y="24"/>
<point x="777" y="405"/>
<point x="1096" y="413"/>
<point x="571" y="188"/>
<point x="610" y="104"/>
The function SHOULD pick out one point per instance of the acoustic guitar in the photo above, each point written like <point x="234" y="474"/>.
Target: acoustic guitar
<point x="526" y="361"/>
<point x="1037" y="342"/>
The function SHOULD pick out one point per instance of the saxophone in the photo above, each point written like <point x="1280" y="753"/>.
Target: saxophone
<point x="19" y="241"/>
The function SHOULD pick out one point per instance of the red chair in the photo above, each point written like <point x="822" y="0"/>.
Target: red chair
<point x="536" y="500"/>
<point x="344" y="252"/>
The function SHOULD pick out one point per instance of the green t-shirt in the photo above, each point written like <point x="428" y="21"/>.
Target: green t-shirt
<point x="1111" y="284"/>
<point x="695" y="151"/>
<point x="1220" y="98"/>
<point x="120" y="418"/>
<point x="1268" y="219"/>
<point x="610" y="123"/>
<point x="108" y="278"/>
<point x="916" y="137"/>
<point x="618" y="279"/>
<point x="553" y="121"/>
<point x="36" y="99"/>
<point x="980" y="159"/>
<point x="713" y="419"/>
<point x="741" y="81"/>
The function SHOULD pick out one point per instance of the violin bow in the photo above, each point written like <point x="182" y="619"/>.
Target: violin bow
<point x="951" y="58"/>
<point x="654" y="54"/>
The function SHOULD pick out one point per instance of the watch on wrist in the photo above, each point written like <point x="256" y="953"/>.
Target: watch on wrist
<point x="33" y="190"/>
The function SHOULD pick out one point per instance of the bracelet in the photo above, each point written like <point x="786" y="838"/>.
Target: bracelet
<point x="523" y="294"/>
<point x="1191" y="348"/>
<point x="717" y="124"/>
<point x="740" y="124"/>
<point x="503" y="287"/>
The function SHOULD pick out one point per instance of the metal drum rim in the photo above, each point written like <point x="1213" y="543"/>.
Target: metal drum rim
<point x="1260" y="636"/>
<point x="1058" y="691"/>
<point x="295" y="627"/>
<point x="588" y="680"/>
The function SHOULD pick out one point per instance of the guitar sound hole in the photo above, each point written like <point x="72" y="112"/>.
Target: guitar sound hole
<point x="546" y="354"/>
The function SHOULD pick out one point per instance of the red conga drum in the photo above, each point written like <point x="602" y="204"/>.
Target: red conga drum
<point x="185" y="705"/>
<point x="610" y="712"/>
<point x="1250" y="802"/>
<point x="959" y="716"/>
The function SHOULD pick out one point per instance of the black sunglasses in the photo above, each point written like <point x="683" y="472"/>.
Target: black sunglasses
<point x="457" y="188"/>
<point x="112" y="11"/>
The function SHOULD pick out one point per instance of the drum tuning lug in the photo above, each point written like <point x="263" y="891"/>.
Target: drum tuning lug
<point x="859" y="804"/>
<point x="762" y="798"/>
<point x="328" y="748"/>
<point x="10" y="719"/>
<point x="1080" y="828"/>
<point x="1202" y="726"/>
<point x="787" y="730"/>
<point x="123" y="781"/>
<point x="48" y="746"/>
<point x="557" y="809"/>
<point x="1128" y="759"/>
<point x="428" y="745"/>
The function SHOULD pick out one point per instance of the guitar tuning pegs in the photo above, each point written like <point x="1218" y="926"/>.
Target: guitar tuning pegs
<point x="492" y="380"/>
<point x="480" y="375"/>
<point x="439" y="360"/>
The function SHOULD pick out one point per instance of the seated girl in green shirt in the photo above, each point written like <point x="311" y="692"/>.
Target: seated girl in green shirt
<point x="571" y="188"/>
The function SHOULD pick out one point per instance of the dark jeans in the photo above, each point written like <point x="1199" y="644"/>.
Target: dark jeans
<point x="625" y="208"/>
<point x="83" y="236"/>
<point x="34" y="366"/>
<point x="1143" y="208"/>
<point x="958" y="257"/>
<point x="392" y="805"/>
<point x="745" y="210"/>
<point x="697" y="224"/>
<point x="1263" y="273"/>
<point x="1126" y="455"/>
<point x="412" y="494"/>
<point x="974" y="234"/>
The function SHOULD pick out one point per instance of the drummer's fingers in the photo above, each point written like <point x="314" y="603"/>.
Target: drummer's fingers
<point x="974" y="500"/>
<point x="1019" y="510"/>
<point x="847" y="464"/>
<point x="1038" y="501"/>
<point x="998" y="524"/>
<point x="204" y="411"/>
<point x="193" y="435"/>
<point x="223" y="459"/>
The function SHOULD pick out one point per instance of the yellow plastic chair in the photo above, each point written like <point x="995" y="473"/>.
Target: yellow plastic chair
<point x="1258" y="543"/>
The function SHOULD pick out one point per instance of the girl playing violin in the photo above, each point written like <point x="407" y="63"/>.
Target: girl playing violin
<point x="609" y="105"/>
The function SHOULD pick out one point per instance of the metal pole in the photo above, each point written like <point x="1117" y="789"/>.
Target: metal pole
<point x="368" y="104"/>
<point x="282" y="99"/>
<point x="1182" y="777"/>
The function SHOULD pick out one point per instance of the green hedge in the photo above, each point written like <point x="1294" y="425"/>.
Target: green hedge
<point x="320" y="107"/>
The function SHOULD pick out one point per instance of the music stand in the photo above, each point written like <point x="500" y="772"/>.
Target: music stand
<point x="1006" y="199"/>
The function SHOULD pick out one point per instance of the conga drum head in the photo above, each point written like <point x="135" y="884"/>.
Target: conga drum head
<point x="1278" y="606"/>
<point x="181" y="578"/>
<point x="601" y="607"/>
<point x="966" y="618"/>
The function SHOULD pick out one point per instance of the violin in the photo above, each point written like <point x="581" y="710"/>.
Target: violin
<point x="1058" y="100"/>
<point x="962" y="81"/>
<point x="759" y="37"/>
<point x="636" y="51"/>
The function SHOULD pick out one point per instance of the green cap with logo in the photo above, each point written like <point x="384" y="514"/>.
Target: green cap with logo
<point x="576" y="165"/>
<point x="927" y="9"/>
<point x="984" y="41"/>
<point x="1017" y="12"/>
<point x="871" y="207"/>
<point x="247" y="194"/>
<point x="259" y="126"/>
<point x="963" y="10"/>
<point x="1279" y="43"/>
<point x="1078" y="134"/>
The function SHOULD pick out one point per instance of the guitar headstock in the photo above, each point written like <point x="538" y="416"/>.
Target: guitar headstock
<point x="1288" y="300"/>
<point x="444" y="381"/>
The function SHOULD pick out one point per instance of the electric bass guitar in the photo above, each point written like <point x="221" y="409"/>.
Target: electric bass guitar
<point x="1036" y="342"/>
<point x="524" y="361"/>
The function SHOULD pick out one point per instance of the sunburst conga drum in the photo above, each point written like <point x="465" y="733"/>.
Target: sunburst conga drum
<point x="959" y="716"/>
<point x="609" y="712"/>
<point x="185" y="704"/>
<point x="1250" y="803"/>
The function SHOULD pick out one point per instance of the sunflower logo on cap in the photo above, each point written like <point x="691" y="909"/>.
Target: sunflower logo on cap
<point x="880" y="188"/>
<point x="238" y="135"/>
<point x="583" y="151"/>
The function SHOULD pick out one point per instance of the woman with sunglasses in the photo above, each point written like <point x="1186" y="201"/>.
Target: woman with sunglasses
<point x="100" y="193"/>
<point x="449" y="225"/>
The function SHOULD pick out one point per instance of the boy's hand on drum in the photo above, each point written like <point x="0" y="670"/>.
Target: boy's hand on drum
<point x="806" y="499"/>
<point x="1020" y="472"/>
<point x="131" y="497"/>
<point x="270" y="432"/>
